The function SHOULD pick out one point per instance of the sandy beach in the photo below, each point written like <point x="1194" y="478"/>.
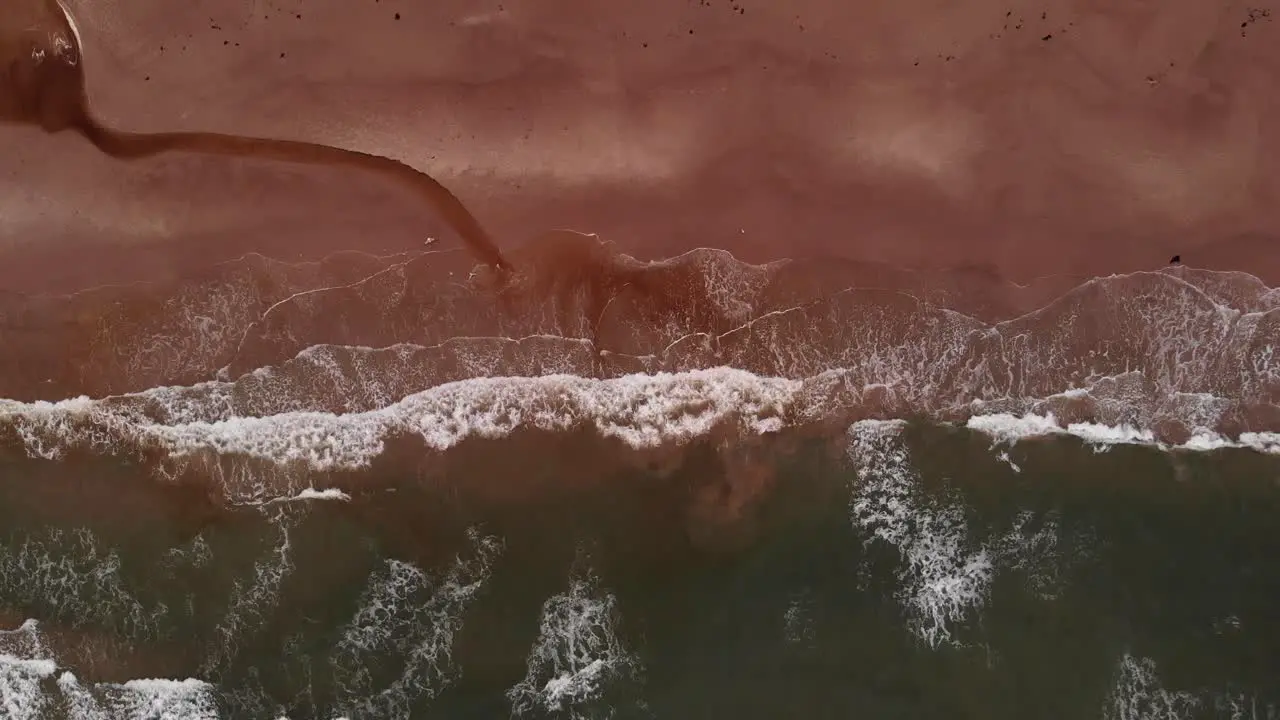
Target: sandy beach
<point x="844" y="372"/>
<point x="1029" y="139"/>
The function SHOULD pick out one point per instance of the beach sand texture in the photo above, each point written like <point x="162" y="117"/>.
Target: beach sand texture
<point x="1019" y="139"/>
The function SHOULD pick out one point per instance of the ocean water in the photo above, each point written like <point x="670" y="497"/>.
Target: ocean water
<point x="385" y="487"/>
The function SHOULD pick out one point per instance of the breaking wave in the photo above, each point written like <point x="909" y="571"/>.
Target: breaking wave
<point x="279" y="407"/>
<point x="577" y="657"/>
<point x="397" y="647"/>
<point x="331" y="372"/>
<point x="33" y="688"/>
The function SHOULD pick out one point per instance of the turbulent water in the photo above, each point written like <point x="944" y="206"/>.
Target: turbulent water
<point x="392" y="487"/>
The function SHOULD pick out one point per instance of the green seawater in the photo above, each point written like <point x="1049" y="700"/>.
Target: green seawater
<point x="921" y="573"/>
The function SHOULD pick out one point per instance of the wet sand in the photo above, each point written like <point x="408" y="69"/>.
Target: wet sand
<point x="1056" y="138"/>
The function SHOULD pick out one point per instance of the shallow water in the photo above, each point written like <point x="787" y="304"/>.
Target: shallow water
<point x="768" y="498"/>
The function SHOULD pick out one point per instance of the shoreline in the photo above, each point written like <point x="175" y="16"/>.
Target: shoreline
<point x="833" y="219"/>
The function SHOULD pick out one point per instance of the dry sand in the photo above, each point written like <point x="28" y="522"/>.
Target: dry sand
<point x="1054" y="137"/>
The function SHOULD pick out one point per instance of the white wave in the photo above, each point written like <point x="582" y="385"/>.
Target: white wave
<point x="26" y="666"/>
<point x="161" y="699"/>
<point x="578" y="654"/>
<point x="1200" y="341"/>
<point x="143" y="699"/>
<point x="398" y="647"/>
<point x="1006" y="428"/>
<point x="303" y="495"/>
<point x="79" y="700"/>
<point x="942" y="580"/>
<point x="326" y="494"/>
<point x="643" y="411"/>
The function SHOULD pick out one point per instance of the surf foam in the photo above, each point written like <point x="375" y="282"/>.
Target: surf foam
<point x="30" y="691"/>
<point x="577" y="657"/>
<point x="412" y="618"/>
<point x="943" y="580"/>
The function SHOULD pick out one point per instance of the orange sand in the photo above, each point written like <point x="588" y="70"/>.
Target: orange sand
<point x="1061" y="136"/>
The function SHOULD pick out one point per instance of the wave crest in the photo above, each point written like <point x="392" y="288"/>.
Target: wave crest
<point x="340" y="360"/>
